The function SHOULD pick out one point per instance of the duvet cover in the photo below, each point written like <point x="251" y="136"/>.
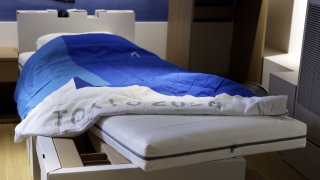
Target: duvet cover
<point x="72" y="81"/>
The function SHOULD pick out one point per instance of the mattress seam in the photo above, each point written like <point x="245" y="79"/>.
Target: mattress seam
<point x="231" y="147"/>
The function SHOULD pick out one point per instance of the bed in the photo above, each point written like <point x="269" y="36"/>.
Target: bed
<point x="163" y="134"/>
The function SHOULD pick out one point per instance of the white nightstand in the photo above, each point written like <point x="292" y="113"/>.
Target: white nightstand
<point x="284" y="83"/>
<point x="280" y="75"/>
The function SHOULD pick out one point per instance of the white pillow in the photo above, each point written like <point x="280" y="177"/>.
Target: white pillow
<point x="23" y="58"/>
<point x="42" y="40"/>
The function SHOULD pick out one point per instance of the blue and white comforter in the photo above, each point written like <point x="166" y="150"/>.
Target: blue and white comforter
<point x="73" y="80"/>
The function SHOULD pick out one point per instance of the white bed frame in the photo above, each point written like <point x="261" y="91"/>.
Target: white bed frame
<point x="46" y="159"/>
<point x="33" y="24"/>
<point x="58" y="159"/>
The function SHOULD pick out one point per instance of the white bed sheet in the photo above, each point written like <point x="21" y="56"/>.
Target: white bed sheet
<point x="23" y="58"/>
<point x="162" y="141"/>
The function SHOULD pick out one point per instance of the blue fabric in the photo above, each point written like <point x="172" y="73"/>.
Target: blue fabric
<point x="145" y="10"/>
<point x="109" y="60"/>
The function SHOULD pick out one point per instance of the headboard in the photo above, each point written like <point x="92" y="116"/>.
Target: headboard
<point x="33" y="24"/>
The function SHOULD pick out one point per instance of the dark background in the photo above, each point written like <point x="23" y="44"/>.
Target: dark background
<point x="146" y="10"/>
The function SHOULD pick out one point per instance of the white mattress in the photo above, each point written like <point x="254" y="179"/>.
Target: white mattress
<point x="23" y="58"/>
<point x="162" y="141"/>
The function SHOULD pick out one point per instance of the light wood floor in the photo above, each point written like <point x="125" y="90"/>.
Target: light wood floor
<point x="13" y="157"/>
<point x="14" y="162"/>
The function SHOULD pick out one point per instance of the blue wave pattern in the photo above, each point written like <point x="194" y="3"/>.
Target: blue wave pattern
<point x="109" y="60"/>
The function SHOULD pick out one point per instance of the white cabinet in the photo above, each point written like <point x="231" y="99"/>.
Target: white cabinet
<point x="284" y="83"/>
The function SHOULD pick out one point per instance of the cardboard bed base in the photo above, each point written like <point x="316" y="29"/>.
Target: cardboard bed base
<point x="58" y="159"/>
